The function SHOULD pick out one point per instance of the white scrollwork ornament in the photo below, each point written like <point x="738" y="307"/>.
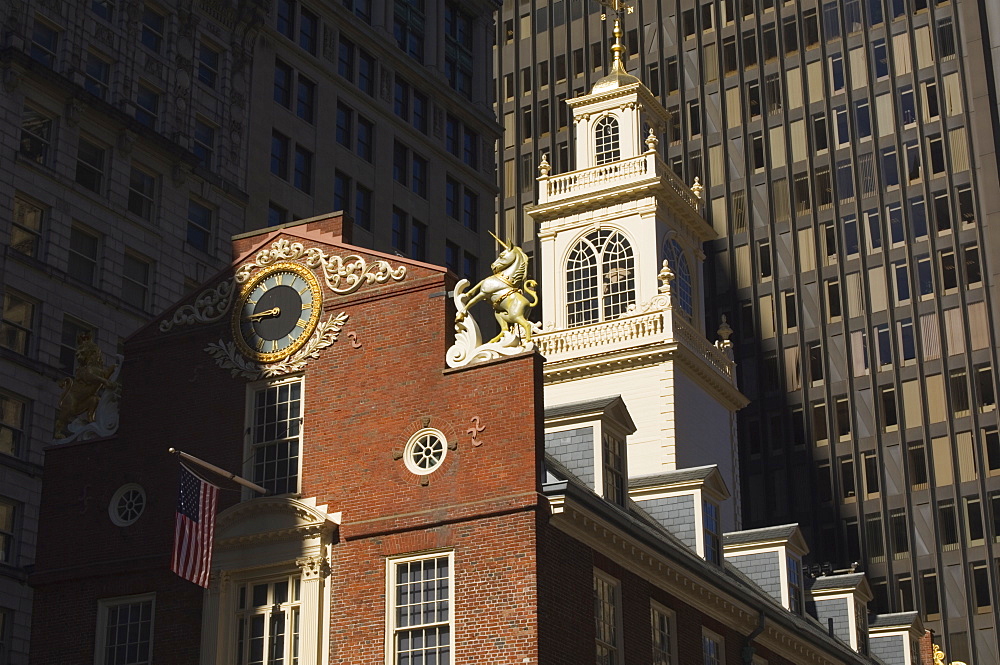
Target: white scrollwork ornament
<point x="210" y="306"/>
<point x="343" y="275"/>
<point x="228" y="357"/>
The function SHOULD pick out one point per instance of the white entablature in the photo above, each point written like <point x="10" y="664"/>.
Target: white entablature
<point x="620" y="244"/>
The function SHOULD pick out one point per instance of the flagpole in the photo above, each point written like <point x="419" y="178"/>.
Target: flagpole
<point x="222" y="472"/>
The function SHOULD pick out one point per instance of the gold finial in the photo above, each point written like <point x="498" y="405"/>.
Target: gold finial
<point x="697" y="188"/>
<point x="618" y="49"/>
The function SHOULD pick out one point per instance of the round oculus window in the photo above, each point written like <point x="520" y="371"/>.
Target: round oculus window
<point x="425" y="451"/>
<point x="127" y="504"/>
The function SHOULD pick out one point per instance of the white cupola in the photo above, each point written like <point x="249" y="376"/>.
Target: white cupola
<point x="620" y="245"/>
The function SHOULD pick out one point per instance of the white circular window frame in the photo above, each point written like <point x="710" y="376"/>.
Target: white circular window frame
<point x="116" y="499"/>
<point x="414" y="445"/>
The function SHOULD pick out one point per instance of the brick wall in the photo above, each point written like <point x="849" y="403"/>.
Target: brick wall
<point x="364" y="396"/>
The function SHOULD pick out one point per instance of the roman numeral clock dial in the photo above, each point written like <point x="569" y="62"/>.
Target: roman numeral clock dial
<point x="277" y="312"/>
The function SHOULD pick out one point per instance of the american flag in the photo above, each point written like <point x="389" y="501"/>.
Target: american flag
<point x="194" y="529"/>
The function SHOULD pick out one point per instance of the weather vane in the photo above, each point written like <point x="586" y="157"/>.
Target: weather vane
<point x="617" y="6"/>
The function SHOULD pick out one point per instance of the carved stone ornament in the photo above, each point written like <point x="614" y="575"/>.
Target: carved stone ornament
<point x="506" y="290"/>
<point x="228" y="357"/>
<point x="313" y="567"/>
<point x="88" y="407"/>
<point x="342" y="276"/>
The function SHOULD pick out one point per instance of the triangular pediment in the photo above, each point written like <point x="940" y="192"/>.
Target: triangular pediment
<point x="269" y="518"/>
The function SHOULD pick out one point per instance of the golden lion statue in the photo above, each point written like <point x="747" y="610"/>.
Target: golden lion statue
<point x="81" y="393"/>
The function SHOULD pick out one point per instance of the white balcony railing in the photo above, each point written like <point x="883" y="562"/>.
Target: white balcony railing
<point x="630" y="331"/>
<point x="616" y="174"/>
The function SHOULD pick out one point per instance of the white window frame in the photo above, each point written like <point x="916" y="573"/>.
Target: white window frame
<point x="663" y="656"/>
<point x="291" y="610"/>
<point x="250" y="446"/>
<point x="104" y="605"/>
<point x="707" y="636"/>
<point x="391" y="629"/>
<point x="600" y="577"/>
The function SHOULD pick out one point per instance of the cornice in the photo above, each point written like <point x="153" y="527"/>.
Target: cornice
<point x="690" y="587"/>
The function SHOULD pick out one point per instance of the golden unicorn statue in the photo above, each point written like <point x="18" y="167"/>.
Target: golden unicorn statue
<point x="506" y="289"/>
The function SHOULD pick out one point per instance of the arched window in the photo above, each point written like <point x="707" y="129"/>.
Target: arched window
<point x="607" y="140"/>
<point x="600" y="278"/>
<point x="680" y="288"/>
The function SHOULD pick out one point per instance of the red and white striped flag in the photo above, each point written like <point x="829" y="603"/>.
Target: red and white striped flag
<point x="194" y="530"/>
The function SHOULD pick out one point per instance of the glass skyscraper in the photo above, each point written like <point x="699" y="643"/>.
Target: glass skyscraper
<point x="848" y="153"/>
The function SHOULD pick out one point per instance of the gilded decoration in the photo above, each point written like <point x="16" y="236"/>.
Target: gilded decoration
<point x="511" y="295"/>
<point x="88" y="406"/>
<point x="250" y="356"/>
<point x="343" y="275"/>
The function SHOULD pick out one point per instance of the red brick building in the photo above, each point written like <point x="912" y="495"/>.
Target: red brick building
<point x="415" y="516"/>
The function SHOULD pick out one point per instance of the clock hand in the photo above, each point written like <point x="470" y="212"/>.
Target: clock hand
<point x="260" y="315"/>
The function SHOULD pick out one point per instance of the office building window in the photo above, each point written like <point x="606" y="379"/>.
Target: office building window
<point x="91" y="161"/>
<point x="44" y="43"/>
<point x="136" y="281"/>
<point x="97" y="74"/>
<point x="199" y="228"/>
<point x="303" y="169"/>
<point x="141" y="193"/>
<point x="36" y="135"/>
<point x="974" y="521"/>
<point x="399" y="228"/>
<point x="274" y="421"/>
<point x="899" y="533"/>
<point x="305" y="99"/>
<point x="408" y="28"/>
<point x="420" y="609"/>
<point x="8" y="515"/>
<point x="363" y="207"/>
<point x="153" y="29"/>
<point x="13" y="422"/>
<point x="916" y="465"/>
<point x="84" y="247"/>
<point x="73" y="332"/>
<point x="279" y="154"/>
<point x="147" y="106"/>
<point x="208" y="65"/>
<point x="981" y="587"/>
<point x="203" y="145"/>
<point x="929" y="592"/>
<point x="458" y="49"/>
<point x="418" y="241"/>
<point x="874" y="538"/>
<point x="600" y="278"/>
<point x="17" y="323"/>
<point x="26" y="227"/>
<point x="125" y="630"/>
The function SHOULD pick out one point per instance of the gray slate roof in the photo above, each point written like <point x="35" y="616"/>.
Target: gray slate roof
<point x="889" y="620"/>
<point x="846" y="581"/>
<point x="598" y="404"/>
<point x="784" y="531"/>
<point x="670" y="477"/>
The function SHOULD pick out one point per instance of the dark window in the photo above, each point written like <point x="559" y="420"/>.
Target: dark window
<point x="303" y="169"/>
<point x="153" y="29"/>
<point x="199" y="228"/>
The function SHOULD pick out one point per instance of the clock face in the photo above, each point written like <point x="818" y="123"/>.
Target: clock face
<point x="277" y="312"/>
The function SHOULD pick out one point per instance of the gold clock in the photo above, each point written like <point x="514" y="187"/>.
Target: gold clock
<point x="277" y="311"/>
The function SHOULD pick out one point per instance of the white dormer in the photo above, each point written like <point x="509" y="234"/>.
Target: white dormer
<point x="620" y="248"/>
